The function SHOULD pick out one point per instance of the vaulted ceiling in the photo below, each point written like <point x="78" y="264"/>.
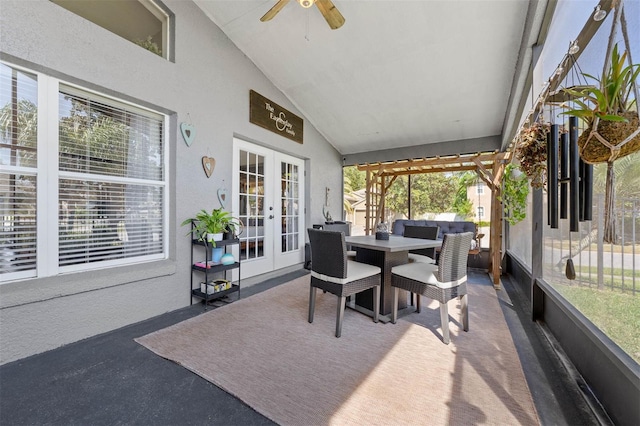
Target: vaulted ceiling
<point x="398" y="76"/>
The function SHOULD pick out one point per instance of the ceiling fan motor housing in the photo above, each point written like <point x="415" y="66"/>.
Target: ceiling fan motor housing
<point x="306" y="3"/>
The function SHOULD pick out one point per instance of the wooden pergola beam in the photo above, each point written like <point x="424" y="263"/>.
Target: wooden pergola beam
<point x="489" y="167"/>
<point x="430" y="170"/>
<point x="467" y="160"/>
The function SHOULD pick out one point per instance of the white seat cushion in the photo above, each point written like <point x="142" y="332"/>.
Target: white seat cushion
<point x="425" y="273"/>
<point x="413" y="257"/>
<point x="355" y="271"/>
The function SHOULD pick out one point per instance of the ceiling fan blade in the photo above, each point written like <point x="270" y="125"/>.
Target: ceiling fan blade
<point x="274" y="10"/>
<point x="331" y="14"/>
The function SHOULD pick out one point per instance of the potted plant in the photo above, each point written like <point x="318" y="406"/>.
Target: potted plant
<point x="532" y="153"/>
<point x="613" y="127"/>
<point x="211" y="226"/>
<point x="608" y="110"/>
<point x="515" y="190"/>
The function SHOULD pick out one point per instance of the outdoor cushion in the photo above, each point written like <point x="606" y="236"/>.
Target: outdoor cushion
<point x="355" y="271"/>
<point x="446" y="227"/>
<point x="424" y="272"/>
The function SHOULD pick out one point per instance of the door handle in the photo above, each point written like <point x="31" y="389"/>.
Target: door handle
<point x="270" y="216"/>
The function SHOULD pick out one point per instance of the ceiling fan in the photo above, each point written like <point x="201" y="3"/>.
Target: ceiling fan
<point x="332" y="15"/>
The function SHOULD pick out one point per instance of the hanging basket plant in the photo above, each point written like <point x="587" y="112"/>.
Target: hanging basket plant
<point x="515" y="190"/>
<point x="609" y="111"/>
<point x="532" y="153"/>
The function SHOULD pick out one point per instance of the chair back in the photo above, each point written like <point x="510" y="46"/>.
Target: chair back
<point x="328" y="252"/>
<point x="452" y="263"/>
<point x="426" y="232"/>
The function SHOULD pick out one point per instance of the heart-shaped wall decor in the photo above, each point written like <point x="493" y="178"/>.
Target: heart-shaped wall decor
<point x="222" y="197"/>
<point x="188" y="133"/>
<point x="208" y="164"/>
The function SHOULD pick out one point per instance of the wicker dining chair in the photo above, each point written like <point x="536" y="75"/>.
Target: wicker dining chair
<point x="427" y="255"/>
<point x="442" y="282"/>
<point x="332" y="272"/>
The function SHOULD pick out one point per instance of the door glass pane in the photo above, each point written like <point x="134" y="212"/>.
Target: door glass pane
<point x="251" y="208"/>
<point x="289" y="202"/>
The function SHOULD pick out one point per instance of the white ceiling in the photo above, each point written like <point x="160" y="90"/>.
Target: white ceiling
<point x="398" y="73"/>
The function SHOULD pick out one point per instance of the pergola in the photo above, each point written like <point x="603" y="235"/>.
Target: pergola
<point x="489" y="167"/>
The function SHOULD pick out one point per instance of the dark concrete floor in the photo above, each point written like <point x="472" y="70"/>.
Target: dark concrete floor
<point x="111" y="380"/>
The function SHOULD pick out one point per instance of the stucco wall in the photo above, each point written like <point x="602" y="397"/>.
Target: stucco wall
<point x="208" y="85"/>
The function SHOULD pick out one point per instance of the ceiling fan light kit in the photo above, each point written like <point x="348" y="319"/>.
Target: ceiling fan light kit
<point x="306" y="3"/>
<point x="331" y="14"/>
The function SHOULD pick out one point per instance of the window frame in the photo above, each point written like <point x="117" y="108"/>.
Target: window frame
<point x="48" y="178"/>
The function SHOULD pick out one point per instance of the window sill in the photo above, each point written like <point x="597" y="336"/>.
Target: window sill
<point x="41" y="289"/>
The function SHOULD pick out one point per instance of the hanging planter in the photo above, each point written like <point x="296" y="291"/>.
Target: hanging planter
<point x="532" y="153"/>
<point x="515" y="190"/>
<point x="609" y="111"/>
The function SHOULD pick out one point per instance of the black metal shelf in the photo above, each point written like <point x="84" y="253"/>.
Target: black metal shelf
<point x="212" y="269"/>
<point x="218" y="267"/>
<point x="217" y="295"/>
<point x="221" y="243"/>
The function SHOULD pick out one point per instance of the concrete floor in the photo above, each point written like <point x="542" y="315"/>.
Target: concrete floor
<point x="111" y="380"/>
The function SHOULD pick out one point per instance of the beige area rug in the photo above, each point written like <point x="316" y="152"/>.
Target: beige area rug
<point x="263" y="351"/>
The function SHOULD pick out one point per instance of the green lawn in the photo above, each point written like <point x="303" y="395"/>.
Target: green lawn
<point x="616" y="313"/>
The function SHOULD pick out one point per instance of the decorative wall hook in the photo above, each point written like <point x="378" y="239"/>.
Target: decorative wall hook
<point x="208" y="164"/>
<point x="188" y="131"/>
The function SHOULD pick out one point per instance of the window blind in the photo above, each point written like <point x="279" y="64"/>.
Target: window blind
<point x="111" y="187"/>
<point x="18" y="161"/>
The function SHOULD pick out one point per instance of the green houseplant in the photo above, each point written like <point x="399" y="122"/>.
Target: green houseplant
<point x="532" y="153"/>
<point x="212" y="225"/>
<point x="611" y="114"/>
<point x="515" y="189"/>
<point x="608" y="109"/>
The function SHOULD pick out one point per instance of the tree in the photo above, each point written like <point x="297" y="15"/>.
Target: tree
<point x="430" y="193"/>
<point x="354" y="179"/>
<point x="461" y="203"/>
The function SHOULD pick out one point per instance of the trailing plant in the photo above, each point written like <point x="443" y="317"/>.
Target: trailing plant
<point x="532" y="153"/>
<point x="515" y="189"/>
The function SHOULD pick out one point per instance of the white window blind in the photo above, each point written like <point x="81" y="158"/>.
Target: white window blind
<point x="18" y="161"/>
<point x="98" y="183"/>
<point x="111" y="187"/>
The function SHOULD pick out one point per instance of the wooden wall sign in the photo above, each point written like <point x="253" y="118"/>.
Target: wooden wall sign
<point x="271" y="116"/>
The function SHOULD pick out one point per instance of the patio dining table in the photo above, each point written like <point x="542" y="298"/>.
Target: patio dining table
<point x="386" y="254"/>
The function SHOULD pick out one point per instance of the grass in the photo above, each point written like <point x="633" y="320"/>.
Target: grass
<point x="616" y="314"/>
<point x="606" y="248"/>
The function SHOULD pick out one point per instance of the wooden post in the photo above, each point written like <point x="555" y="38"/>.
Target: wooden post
<point x="495" y="241"/>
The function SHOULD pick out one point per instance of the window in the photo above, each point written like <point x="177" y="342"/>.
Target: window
<point x="18" y="170"/>
<point x="142" y="22"/>
<point x="96" y="185"/>
<point x="480" y="212"/>
<point x="479" y="188"/>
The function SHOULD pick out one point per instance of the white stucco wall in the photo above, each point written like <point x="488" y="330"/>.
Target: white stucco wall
<point x="208" y="85"/>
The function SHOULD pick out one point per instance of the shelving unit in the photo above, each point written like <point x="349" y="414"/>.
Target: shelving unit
<point x="208" y="273"/>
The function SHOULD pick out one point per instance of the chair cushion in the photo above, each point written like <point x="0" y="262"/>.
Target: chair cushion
<point x="413" y="257"/>
<point x="424" y="273"/>
<point x="355" y="271"/>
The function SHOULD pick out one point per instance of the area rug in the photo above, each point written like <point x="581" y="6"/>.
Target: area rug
<point x="264" y="351"/>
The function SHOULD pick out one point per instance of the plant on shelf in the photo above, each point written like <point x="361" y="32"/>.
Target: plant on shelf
<point x="515" y="189"/>
<point x="532" y="153"/>
<point x="212" y="225"/>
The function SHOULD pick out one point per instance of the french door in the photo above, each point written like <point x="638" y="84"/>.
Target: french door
<point x="269" y="198"/>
